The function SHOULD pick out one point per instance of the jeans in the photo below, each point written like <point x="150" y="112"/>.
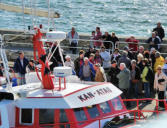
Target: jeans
<point x="133" y="90"/>
<point x="146" y="89"/>
<point x="73" y="49"/>
<point x="22" y="79"/>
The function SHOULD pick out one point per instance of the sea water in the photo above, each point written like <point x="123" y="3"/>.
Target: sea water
<point x="124" y="17"/>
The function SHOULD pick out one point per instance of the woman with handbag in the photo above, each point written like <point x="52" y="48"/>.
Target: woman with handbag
<point x="160" y="82"/>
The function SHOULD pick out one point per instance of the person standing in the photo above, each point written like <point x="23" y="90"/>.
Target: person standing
<point x="124" y="78"/>
<point x="124" y="59"/>
<point x="153" y="41"/>
<point x="20" y="67"/>
<point x="73" y="38"/>
<point x="87" y="72"/>
<point x="78" y="62"/>
<point x="114" y="39"/>
<point x="69" y="62"/>
<point x="113" y="72"/>
<point x="30" y="67"/>
<point x="160" y="82"/>
<point x="100" y="75"/>
<point x="106" y="57"/>
<point x="143" y="76"/>
<point x="107" y="40"/>
<point x="159" y="60"/>
<point x="159" y="29"/>
<point x="134" y="79"/>
<point x="98" y="37"/>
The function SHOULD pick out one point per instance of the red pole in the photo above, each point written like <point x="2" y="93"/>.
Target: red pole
<point x="138" y="109"/>
<point x="59" y="83"/>
<point x="99" y="123"/>
<point x="64" y="83"/>
<point x="157" y="107"/>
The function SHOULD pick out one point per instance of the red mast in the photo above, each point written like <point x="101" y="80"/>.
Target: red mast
<point x="45" y="70"/>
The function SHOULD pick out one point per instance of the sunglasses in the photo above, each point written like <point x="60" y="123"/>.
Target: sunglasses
<point x="158" y="69"/>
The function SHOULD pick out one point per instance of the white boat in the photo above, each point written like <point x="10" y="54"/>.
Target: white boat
<point x="60" y="100"/>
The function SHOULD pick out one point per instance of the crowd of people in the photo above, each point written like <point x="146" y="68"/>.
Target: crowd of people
<point x="137" y="71"/>
<point x="134" y="69"/>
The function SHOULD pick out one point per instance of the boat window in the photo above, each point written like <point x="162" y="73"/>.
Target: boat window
<point x="105" y="107"/>
<point x="80" y="114"/>
<point x="46" y="116"/>
<point x="26" y="116"/>
<point x="63" y="119"/>
<point x="93" y="111"/>
<point x="117" y="103"/>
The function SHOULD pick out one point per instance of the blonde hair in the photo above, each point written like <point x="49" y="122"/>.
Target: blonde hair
<point x="140" y="56"/>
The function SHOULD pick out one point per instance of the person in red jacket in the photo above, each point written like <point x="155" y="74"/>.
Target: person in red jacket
<point x="133" y="45"/>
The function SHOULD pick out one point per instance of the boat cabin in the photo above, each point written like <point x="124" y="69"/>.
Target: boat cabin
<point x="80" y="105"/>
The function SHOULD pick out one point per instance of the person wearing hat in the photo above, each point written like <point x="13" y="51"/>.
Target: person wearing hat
<point x="20" y="67"/>
<point x="106" y="58"/>
<point x="87" y="72"/>
<point x="113" y="72"/>
<point x="69" y="62"/>
<point x="160" y="82"/>
<point x="159" y="60"/>
<point x="129" y="53"/>
<point x="124" y="59"/>
<point x="100" y="74"/>
<point x="78" y="62"/>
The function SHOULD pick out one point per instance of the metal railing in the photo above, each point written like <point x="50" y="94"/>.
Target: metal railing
<point x="136" y="117"/>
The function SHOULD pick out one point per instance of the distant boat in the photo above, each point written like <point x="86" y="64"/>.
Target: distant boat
<point x="17" y="9"/>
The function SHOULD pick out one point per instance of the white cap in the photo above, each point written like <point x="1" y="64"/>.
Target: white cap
<point x="67" y="56"/>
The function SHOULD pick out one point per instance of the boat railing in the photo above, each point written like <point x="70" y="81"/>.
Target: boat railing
<point x="137" y="114"/>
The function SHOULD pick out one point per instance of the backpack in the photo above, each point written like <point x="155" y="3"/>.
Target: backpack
<point x="150" y="75"/>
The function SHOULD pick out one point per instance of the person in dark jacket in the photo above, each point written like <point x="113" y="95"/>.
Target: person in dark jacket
<point x="91" y="50"/>
<point x="159" y="29"/>
<point x="107" y="40"/>
<point x="78" y="62"/>
<point x="20" y="67"/>
<point x="114" y="39"/>
<point x="153" y="41"/>
<point x="113" y="72"/>
<point x="134" y="79"/>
